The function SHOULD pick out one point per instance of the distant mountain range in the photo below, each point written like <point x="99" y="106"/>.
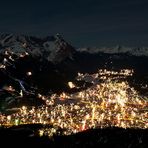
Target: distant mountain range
<point x="136" y="51"/>
<point x="55" y="48"/>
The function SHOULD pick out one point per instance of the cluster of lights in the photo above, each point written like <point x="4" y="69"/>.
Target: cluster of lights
<point x="111" y="102"/>
<point x="104" y="74"/>
<point x="10" y="57"/>
<point x="9" y="60"/>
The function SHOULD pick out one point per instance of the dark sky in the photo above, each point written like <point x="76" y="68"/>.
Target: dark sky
<point x="82" y="22"/>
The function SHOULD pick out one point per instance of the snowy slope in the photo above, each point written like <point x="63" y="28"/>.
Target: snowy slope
<point x="136" y="51"/>
<point x="51" y="48"/>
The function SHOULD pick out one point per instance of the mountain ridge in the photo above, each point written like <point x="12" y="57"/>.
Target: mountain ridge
<point x="52" y="48"/>
<point x="135" y="51"/>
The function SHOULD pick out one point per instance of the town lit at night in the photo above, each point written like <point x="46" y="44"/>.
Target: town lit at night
<point x="109" y="102"/>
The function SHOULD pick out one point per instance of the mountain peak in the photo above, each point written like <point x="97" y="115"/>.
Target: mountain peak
<point x="52" y="48"/>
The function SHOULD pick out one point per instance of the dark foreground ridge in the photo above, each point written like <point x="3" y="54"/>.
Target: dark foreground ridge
<point x="108" y="137"/>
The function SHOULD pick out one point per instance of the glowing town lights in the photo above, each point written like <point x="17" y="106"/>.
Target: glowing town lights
<point x="9" y="118"/>
<point x="63" y="96"/>
<point x="24" y="107"/>
<point x="24" y="110"/>
<point x="22" y="55"/>
<point x="9" y="88"/>
<point x="133" y="114"/>
<point x="29" y="73"/>
<point x="26" y="53"/>
<point x="120" y="101"/>
<point x="5" y="60"/>
<point x="10" y="57"/>
<point x="87" y="116"/>
<point x="71" y="85"/>
<point x="41" y="133"/>
<point x="93" y="114"/>
<point x="2" y="66"/>
<point x="16" y="122"/>
<point x="21" y="93"/>
<point x="39" y="96"/>
<point x="6" y="52"/>
<point x="108" y="102"/>
<point x="83" y="125"/>
<point x="52" y="120"/>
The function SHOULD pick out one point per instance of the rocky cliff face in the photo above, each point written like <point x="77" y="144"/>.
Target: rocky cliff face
<point x="52" y="48"/>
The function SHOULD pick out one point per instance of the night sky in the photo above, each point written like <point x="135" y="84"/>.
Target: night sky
<point x="81" y="22"/>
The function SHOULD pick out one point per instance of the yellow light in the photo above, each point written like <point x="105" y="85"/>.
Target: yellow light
<point x="21" y="93"/>
<point x="9" y="118"/>
<point x="71" y="85"/>
<point x="41" y="132"/>
<point x="29" y="73"/>
<point x="16" y="122"/>
<point x="24" y="107"/>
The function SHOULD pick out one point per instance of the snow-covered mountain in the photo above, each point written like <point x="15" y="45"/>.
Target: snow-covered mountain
<point x="136" y="51"/>
<point x="55" y="48"/>
<point x="51" y="48"/>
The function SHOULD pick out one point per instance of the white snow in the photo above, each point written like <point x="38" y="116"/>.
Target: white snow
<point x="143" y="51"/>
